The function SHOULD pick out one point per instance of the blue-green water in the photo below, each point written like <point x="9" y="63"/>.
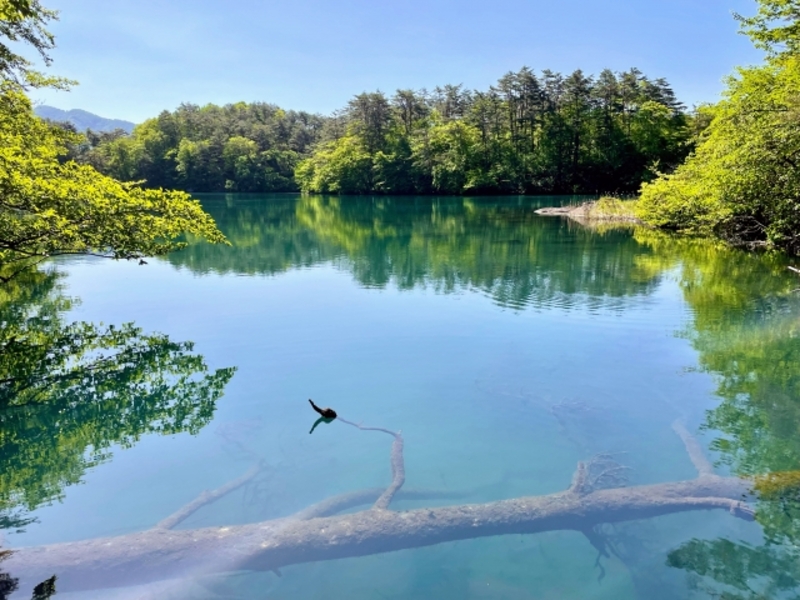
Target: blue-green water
<point x="506" y="347"/>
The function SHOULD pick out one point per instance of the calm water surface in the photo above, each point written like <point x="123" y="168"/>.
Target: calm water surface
<point x="506" y="347"/>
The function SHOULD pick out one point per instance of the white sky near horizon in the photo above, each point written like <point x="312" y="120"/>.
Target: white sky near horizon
<point x="135" y="58"/>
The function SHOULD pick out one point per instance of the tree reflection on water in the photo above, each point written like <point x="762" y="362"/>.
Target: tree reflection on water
<point x="746" y="329"/>
<point x="71" y="390"/>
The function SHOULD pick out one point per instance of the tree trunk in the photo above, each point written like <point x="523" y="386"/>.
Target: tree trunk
<point x="314" y="535"/>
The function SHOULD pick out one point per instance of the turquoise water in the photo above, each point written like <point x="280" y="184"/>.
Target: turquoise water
<point x="506" y="347"/>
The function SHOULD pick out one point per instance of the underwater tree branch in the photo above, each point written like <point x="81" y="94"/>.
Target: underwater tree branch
<point x="205" y="498"/>
<point x="397" y="462"/>
<point x="315" y="534"/>
<point x="693" y="449"/>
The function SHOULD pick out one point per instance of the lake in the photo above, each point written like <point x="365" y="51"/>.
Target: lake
<point x="506" y="347"/>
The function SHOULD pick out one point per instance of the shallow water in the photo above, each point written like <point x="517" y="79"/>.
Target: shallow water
<point x="506" y="347"/>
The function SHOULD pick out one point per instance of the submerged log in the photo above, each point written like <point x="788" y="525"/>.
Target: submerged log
<point x="318" y="534"/>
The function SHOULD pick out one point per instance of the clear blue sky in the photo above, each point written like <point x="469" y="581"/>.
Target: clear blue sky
<point x="134" y="58"/>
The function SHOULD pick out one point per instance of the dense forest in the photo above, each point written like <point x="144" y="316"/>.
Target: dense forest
<point x="527" y="134"/>
<point x="239" y="147"/>
<point x="727" y="169"/>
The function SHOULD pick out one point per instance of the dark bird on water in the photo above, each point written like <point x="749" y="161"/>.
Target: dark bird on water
<point x="327" y="413"/>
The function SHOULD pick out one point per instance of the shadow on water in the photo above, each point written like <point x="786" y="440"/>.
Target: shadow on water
<point x="320" y="420"/>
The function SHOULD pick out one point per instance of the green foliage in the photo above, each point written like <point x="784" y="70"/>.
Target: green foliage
<point x="238" y="147"/>
<point x="775" y="27"/>
<point x="742" y="182"/>
<point x="527" y="134"/>
<point x="448" y="151"/>
<point x="343" y="166"/>
<point x="69" y="391"/>
<point x="23" y="22"/>
<point x="50" y="207"/>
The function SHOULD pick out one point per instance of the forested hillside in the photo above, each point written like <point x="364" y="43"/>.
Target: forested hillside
<point x="238" y="147"/>
<point x="528" y="133"/>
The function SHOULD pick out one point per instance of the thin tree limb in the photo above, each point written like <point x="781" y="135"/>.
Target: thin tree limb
<point x="397" y="462"/>
<point x="398" y="475"/>
<point x="206" y="498"/>
<point x="693" y="449"/>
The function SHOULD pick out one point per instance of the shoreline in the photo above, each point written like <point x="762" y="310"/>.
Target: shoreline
<point x="604" y="209"/>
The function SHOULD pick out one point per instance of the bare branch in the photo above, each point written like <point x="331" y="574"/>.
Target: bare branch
<point x="578" y="485"/>
<point x="160" y="554"/>
<point x="397" y="462"/>
<point x="398" y="474"/>
<point x="693" y="449"/>
<point x="207" y="498"/>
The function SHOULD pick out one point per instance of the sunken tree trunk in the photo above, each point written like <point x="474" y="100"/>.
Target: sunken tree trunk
<point x="318" y="533"/>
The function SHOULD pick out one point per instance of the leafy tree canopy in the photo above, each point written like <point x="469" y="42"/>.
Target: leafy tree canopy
<point x="527" y="134"/>
<point x="775" y="27"/>
<point x="238" y="148"/>
<point x="49" y="206"/>
<point x="24" y="22"/>
<point x="743" y="183"/>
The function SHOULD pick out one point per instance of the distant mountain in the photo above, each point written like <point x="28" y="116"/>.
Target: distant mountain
<point x="83" y="120"/>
